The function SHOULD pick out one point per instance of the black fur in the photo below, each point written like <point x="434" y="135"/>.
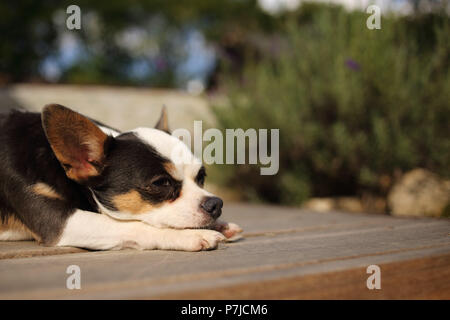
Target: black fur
<point x="26" y="158"/>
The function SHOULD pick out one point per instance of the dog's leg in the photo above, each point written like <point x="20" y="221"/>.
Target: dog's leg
<point x="100" y="232"/>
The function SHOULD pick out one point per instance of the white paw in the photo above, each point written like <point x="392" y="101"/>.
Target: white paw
<point x="207" y="239"/>
<point x="197" y="240"/>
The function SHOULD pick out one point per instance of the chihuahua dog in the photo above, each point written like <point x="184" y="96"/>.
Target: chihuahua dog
<point x="67" y="180"/>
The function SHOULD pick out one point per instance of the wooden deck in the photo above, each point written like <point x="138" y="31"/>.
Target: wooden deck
<point x="286" y="254"/>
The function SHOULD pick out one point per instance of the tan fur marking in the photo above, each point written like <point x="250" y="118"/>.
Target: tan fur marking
<point x="171" y="169"/>
<point x="13" y="224"/>
<point x="132" y="202"/>
<point x="45" y="190"/>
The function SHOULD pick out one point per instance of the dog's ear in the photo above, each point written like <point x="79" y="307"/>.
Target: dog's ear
<point x="163" y="122"/>
<point x="77" y="142"/>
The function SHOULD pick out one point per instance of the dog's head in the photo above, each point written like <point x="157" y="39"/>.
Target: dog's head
<point x="135" y="175"/>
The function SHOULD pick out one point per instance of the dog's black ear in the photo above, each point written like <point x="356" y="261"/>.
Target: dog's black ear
<point x="76" y="141"/>
<point x="163" y="122"/>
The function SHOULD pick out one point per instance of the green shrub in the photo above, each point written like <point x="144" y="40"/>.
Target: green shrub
<point x="354" y="106"/>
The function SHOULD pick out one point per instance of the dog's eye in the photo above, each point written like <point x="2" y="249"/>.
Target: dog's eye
<point x="162" y="182"/>
<point x="201" y="175"/>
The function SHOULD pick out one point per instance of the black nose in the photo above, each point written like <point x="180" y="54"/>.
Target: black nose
<point x="212" y="206"/>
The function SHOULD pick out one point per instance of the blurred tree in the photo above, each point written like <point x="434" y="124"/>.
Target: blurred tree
<point x="27" y="37"/>
<point x="32" y="32"/>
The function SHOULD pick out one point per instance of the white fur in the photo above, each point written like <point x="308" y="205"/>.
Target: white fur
<point x="109" y="131"/>
<point x="173" y="149"/>
<point x="100" y="232"/>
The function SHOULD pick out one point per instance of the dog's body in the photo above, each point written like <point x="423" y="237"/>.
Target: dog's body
<point x="68" y="181"/>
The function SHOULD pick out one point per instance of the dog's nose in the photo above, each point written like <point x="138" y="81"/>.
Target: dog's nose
<point x="212" y="206"/>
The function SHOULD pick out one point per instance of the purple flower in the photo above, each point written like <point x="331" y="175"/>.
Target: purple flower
<point x="352" y="64"/>
<point x="160" y="64"/>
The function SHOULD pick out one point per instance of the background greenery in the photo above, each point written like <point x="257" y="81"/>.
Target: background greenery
<point x="355" y="107"/>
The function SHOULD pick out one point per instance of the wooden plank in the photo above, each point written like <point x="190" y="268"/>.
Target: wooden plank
<point x="265" y="219"/>
<point x="257" y="220"/>
<point x="264" y="257"/>
<point x="27" y="249"/>
<point x="424" y="278"/>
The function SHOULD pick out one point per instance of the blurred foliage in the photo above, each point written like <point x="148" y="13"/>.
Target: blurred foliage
<point x="355" y="107"/>
<point x="31" y="31"/>
<point x="27" y="36"/>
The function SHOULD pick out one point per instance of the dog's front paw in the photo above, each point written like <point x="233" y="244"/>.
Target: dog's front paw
<point x="197" y="240"/>
<point x="209" y="239"/>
